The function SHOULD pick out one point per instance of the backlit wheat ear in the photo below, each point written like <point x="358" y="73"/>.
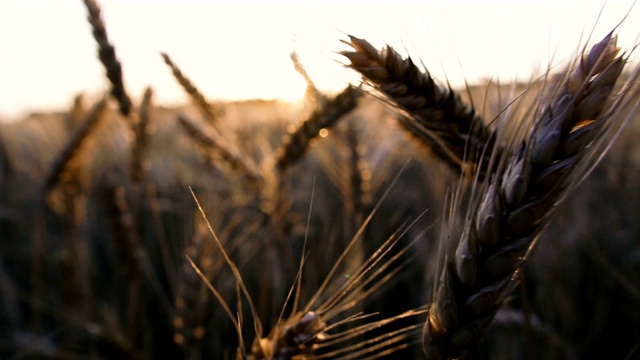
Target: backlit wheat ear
<point x="316" y="334"/>
<point x="107" y="55"/>
<point x="511" y="210"/>
<point x="74" y="147"/>
<point x="298" y="141"/>
<point x="141" y="134"/>
<point x="312" y="94"/>
<point x="316" y="331"/>
<point x="76" y="114"/>
<point x="435" y="115"/>
<point x="196" y="96"/>
<point x="221" y="148"/>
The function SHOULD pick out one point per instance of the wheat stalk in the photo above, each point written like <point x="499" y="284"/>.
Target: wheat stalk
<point x="435" y="115"/>
<point x="356" y="189"/>
<point x="512" y="208"/>
<point x="107" y="55"/>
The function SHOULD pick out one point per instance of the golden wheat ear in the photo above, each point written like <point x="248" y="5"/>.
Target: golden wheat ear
<point x="141" y="135"/>
<point x="435" y="115"/>
<point x="297" y="143"/>
<point x="327" y="326"/>
<point x="76" y="113"/>
<point x="212" y="114"/>
<point x="215" y="143"/>
<point x="312" y="94"/>
<point x="571" y="131"/>
<point x="329" y="329"/>
<point x="69" y="156"/>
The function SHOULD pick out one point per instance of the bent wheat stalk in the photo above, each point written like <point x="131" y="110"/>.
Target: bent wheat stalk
<point x="514" y="205"/>
<point x="435" y="115"/>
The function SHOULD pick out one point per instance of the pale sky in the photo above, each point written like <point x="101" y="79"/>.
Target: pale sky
<point x="240" y="49"/>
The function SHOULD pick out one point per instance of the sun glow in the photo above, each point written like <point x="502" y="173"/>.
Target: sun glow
<point x="241" y="50"/>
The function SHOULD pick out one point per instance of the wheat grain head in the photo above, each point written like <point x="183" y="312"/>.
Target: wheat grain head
<point x="570" y="130"/>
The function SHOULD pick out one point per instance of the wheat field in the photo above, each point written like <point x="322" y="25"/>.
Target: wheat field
<point x="398" y="218"/>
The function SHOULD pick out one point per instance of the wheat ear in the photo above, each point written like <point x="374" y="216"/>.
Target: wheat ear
<point x="512" y="208"/>
<point x="434" y="114"/>
<point x="196" y="96"/>
<point x="313" y="332"/>
<point x="298" y="141"/>
<point x="76" y="114"/>
<point x="312" y="93"/>
<point x="107" y="55"/>
<point x="141" y="134"/>
<point x="220" y="147"/>
<point x="74" y="147"/>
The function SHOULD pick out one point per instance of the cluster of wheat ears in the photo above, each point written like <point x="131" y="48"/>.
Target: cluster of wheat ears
<point x="147" y="232"/>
